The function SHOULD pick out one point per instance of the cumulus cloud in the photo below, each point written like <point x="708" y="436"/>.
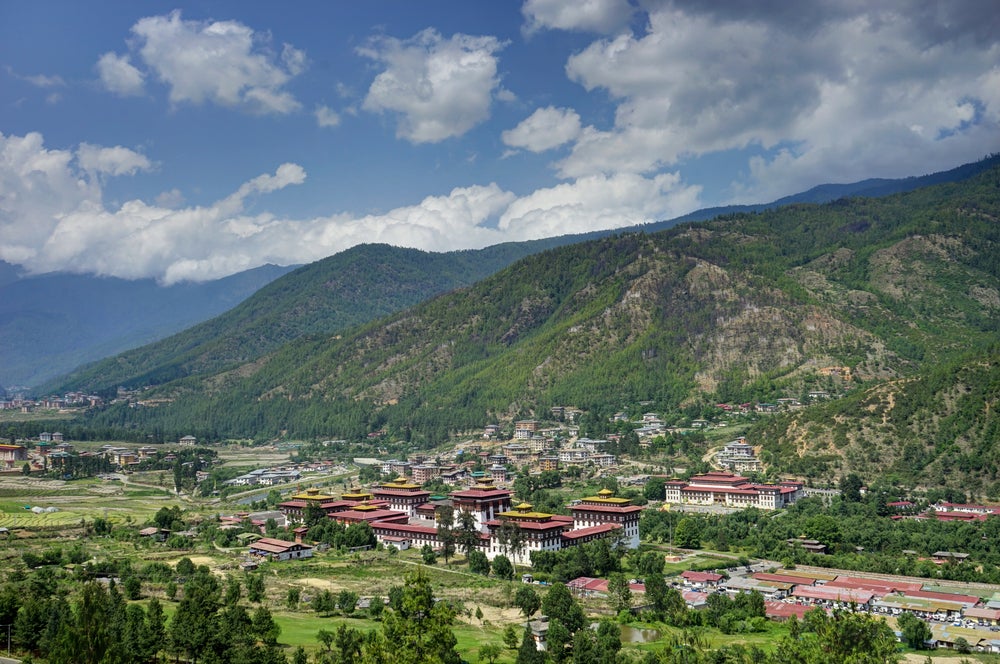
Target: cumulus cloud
<point x="598" y="202"/>
<point x="439" y="88"/>
<point x="52" y="217"/>
<point x="119" y="75"/>
<point x="110" y="161"/>
<point x="219" y="62"/>
<point x="601" y="16"/>
<point x="840" y="85"/>
<point x="544" y="129"/>
<point x="326" y="117"/>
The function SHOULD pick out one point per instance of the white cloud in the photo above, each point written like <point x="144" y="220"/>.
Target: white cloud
<point x="110" y="161"/>
<point x="119" y="76"/>
<point x="170" y="199"/>
<point x="440" y="88"/>
<point x="598" y="202"/>
<point x="326" y="117"/>
<point x="544" y="129"/>
<point x="52" y="217"/>
<point x="43" y="81"/>
<point x="36" y="186"/>
<point x="219" y="62"/>
<point x="601" y="16"/>
<point x="855" y="90"/>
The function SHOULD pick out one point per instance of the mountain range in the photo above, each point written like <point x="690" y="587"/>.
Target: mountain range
<point x="46" y="335"/>
<point x="903" y="291"/>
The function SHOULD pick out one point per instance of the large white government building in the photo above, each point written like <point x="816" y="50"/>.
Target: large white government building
<point x="731" y="490"/>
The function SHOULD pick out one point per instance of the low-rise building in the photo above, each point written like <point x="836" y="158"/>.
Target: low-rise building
<point x="275" y="549"/>
<point x="731" y="490"/>
<point x="12" y="456"/>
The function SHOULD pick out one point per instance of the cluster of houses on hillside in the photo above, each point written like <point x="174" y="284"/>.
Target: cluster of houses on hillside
<point x="539" y="452"/>
<point x="51" y="450"/>
<point x="68" y="400"/>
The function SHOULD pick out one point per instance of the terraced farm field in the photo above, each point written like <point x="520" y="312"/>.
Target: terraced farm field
<point x="39" y="504"/>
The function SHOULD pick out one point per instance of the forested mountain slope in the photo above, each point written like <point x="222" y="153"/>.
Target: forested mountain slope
<point x="742" y="307"/>
<point x="325" y="297"/>
<point x="939" y="428"/>
<point x="367" y="282"/>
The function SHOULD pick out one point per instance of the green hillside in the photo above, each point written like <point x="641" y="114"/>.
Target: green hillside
<point x="368" y="282"/>
<point x="746" y="307"/>
<point x="325" y="297"/>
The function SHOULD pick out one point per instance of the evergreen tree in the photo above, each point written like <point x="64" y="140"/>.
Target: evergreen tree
<point x="528" y="653"/>
<point x="479" y="563"/>
<point x="527" y="600"/>
<point x="619" y="593"/>
<point x="264" y="626"/>
<point x="467" y="536"/>
<point x="420" y="629"/>
<point x="558" y="602"/>
<point x="195" y="626"/>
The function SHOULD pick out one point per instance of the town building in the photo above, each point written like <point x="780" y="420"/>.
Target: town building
<point x="275" y="549"/>
<point x="738" y="457"/>
<point x="525" y="429"/>
<point x="548" y="463"/>
<point x="12" y="456"/>
<point x="484" y="500"/>
<point x="425" y="472"/>
<point x="402" y="496"/>
<point x="604" y="508"/>
<point x="731" y="490"/>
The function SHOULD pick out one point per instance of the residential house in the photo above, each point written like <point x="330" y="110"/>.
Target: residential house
<point x="275" y="549"/>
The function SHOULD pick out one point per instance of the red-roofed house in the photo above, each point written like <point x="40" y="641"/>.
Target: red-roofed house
<point x="781" y="578"/>
<point x="723" y="488"/>
<point x="706" y="578"/>
<point x="880" y="588"/>
<point x="781" y="611"/>
<point x="824" y="595"/>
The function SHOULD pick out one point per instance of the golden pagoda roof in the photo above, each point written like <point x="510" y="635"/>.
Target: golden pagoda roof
<point x="400" y="483"/>
<point x="523" y="512"/>
<point x="312" y="493"/>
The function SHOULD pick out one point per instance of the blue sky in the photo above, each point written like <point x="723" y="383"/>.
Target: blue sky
<point x="188" y="141"/>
